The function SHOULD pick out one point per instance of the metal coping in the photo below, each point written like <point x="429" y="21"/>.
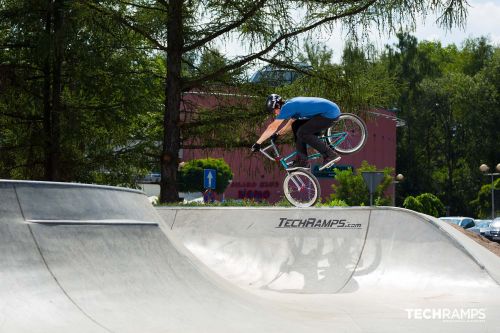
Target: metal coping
<point x="109" y="222"/>
<point x="81" y="185"/>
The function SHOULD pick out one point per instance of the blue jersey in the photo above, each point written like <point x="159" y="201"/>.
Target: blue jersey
<point x="308" y="107"/>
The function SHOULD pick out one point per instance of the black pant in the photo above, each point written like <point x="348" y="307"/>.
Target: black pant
<point x="306" y="131"/>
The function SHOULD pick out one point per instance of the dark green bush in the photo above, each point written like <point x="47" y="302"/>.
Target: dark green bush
<point x="412" y="203"/>
<point x="191" y="174"/>
<point x="426" y="203"/>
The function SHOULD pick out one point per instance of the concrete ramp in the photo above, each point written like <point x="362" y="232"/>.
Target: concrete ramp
<point x="387" y="269"/>
<point x="329" y="250"/>
<point x="30" y="297"/>
<point x="98" y="262"/>
<point x="83" y="258"/>
<point x="290" y="250"/>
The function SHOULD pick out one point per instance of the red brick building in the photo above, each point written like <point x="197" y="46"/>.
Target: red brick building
<point x="257" y="177"/>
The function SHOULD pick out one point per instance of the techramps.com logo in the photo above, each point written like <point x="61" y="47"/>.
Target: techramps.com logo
<point x="468" y="315"/>
<point x="314" y="223"/>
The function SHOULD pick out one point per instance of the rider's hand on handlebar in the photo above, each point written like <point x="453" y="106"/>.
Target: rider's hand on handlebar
<point x="256" y="147"/>
<point x="274" y="137"/>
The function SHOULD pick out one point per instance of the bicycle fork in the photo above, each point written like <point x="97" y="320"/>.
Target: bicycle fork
<point x="296" y="181"/>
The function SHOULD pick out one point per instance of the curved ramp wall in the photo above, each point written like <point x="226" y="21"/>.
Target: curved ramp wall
<point x="50" y="202"/>
<point x="81" y="258"/>
<point x="411" y="250"/>
<point x="30" y="298"/>
<point x="92" y="259"/>
<point x="325" y="250"/>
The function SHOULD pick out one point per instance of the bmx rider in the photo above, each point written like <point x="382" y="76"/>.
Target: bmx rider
<point x="306" y="117"/>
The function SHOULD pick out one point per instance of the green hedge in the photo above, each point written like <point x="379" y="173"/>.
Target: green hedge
<point x="191" y="174"/>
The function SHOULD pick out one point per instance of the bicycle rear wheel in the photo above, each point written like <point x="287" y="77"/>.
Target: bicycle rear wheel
<point x="301" y="188"/>
<point x="354" y="133"/>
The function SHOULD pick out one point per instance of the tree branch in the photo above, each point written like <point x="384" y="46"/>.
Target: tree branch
<point x="14" y="148"/>
<point x="127" y="3"/>
<point x="126" y="23"/>
<point x="295" y="68"/>
<point x="17" y="116"/>
<point x="16" y="46"/>
<point x="198" y="82"/>
<point x="226" y="29"/>
<point x="27" y="166"/>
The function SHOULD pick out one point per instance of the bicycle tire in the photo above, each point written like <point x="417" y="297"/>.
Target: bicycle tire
<point x="357" y="133"/>
<point x="311" y="198"/>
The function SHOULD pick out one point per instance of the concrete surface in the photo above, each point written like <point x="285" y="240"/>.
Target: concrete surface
<point x="83" y="258"/>
<point x="397" y="264"/>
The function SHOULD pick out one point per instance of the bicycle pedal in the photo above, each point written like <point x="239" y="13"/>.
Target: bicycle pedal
<point x="329" y="163"/>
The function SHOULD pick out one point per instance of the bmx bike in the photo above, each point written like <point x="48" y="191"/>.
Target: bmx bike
<point x="301" y="188"/>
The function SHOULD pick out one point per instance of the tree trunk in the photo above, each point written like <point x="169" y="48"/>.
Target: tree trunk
<point x="171" y="131"/>
<point x="57" y="89"/>
<point x="47" y="105"/>
<point x="52" y="89"/>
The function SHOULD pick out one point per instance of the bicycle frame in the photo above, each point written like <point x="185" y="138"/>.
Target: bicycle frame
<point x="336" y="138"/>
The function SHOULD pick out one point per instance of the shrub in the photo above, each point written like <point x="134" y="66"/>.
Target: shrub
<point x="426" y="203"/>
<point x="335" y="203"/>
<point x="352" y="190"/>
<point x="482" y="203"/>
<point x="191" y="174"/>
<point x="431" y="204"/>
<point x="413" y="204"/>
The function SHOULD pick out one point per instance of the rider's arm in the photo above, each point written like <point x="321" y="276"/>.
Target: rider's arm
<point x="287" y="128"/>
<point x="270" y="130"/>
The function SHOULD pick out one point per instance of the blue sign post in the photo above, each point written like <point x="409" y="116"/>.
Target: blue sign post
<point x="209" y="178"/>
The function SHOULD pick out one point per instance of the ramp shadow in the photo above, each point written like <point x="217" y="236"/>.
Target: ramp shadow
<point x="322" y="265"/>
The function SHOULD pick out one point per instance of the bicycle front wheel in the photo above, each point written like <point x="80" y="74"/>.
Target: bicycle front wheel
<point x="348" y="134"/>
<point x="301" y="188"/>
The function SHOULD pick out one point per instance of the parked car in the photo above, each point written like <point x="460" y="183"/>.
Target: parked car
<point x="464" y="222"/>
<point x="495" y="229"/>
<point x="152" y="178"/>
<point x="276" y="76"/>
<point x="482" y="228"/>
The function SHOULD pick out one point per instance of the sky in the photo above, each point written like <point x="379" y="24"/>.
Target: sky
<point x="483" y="19"/>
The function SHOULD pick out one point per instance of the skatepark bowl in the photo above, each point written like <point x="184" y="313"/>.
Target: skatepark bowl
<point x="85" y="258"/>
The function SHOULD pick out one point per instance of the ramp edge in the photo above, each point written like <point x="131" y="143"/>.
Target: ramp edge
<point x="485" y="259"/>
<point x="93" y="222"/>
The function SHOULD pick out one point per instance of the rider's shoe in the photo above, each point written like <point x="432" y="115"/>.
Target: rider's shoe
<point x="298" y="164"/>
<point x="329" y="160"/>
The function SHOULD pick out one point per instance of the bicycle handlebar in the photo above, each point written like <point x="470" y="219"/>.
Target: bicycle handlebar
<point x="266" y="154"/>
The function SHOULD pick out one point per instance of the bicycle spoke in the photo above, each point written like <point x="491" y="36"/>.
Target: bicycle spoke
<point x="353" y="130"/>
<point x="295" y="183"/>
<point x="301" y="189"/>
